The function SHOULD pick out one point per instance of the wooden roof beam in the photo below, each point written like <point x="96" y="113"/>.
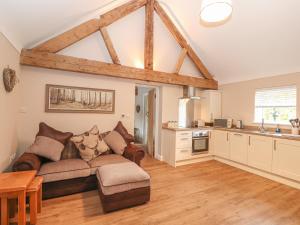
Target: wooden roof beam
<point x="149" y="32"/>
<point x="70" y="37"/>
<point x="121" y="11"/>
<point x="73" y="64"/>
<point x="109" y="45"/>
<point x="180" y="60"/>
<point x="181" y="40"/>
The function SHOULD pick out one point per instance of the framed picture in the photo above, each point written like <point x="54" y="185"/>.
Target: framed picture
<point x="65" y="99"/>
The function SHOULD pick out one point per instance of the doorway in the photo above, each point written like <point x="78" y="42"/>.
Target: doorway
<point x="146" y="117"/>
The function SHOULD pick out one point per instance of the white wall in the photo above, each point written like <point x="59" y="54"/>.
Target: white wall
<point x="238" y="98"/>
<point x="33" y="103"/>
<point x="9" y="104"/>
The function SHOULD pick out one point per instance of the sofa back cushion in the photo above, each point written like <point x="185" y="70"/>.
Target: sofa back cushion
<point x="124" y="133"/>
<point x="47" y="131"/>
<point x="116" y="142"/>
<point x="46" y="147"/>
<point x="70" y="151"/>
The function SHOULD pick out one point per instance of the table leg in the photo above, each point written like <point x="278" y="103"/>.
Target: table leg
<point x="40" y="196"/>
<point x="4" y="212"/>
<point x="33" y="207"/>
<point x="22" y="208"/>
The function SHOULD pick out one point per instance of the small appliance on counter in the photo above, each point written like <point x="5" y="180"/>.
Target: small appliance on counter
<point x="239" y="124"/>
<point x="198" y="123"/>
<point x="223" y="123"/>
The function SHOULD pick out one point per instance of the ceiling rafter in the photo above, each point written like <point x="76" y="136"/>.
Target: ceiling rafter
<point x="45" y="55"/>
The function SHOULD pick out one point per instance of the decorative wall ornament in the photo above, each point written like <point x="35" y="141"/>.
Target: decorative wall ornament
<point x="65" y="99"/>
<point x="9" y="79"/>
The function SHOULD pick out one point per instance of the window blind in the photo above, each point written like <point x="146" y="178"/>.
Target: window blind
<point x="276" y="97"/>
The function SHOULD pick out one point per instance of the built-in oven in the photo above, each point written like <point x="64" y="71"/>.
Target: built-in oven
<point x="200" y="141"/>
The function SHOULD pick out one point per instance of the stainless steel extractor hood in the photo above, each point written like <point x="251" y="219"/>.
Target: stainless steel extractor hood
<point x="189" y="92"/>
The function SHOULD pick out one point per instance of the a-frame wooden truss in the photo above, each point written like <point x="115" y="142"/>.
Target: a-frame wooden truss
<point x="45" y="55"/>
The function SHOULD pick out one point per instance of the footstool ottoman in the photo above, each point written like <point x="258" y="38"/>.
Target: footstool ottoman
<point x="122" y="185"/>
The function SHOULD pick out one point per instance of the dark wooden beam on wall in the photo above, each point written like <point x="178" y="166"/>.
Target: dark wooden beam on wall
<point x="120" y="12"/>
<point x="109" y="45"/>
<point x="149" y="29"/>
<point x="181" y="40"/>
<point x="73" y="64"/>
<point x="69" y="37"/>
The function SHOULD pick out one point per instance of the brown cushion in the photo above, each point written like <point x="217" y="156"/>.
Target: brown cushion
<point x="70" y="151"/>
<point x="64" y="170"/>
<point x="105" y="160"/>
<point x="124" y="133"/>
<point x="116" y="142"/>
<point x="47" y="131"/>
<point x="46" y="147"/>
<point x="117" y="178"/>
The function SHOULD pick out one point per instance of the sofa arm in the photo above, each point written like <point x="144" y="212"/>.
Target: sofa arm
<point x="134" y="153"/>
<point x="27" y="161"/>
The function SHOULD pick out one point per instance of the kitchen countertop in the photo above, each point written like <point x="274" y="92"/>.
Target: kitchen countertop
<point x="244" y="131"/>
<point x="185" y="129"/>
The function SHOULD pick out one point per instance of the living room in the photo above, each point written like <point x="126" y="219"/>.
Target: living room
<point x="216" y="142"/>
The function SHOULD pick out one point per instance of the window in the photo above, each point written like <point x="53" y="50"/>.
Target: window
<point x="276" y="105"/>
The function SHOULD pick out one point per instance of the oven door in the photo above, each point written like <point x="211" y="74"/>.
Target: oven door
<point x="200" y="145"/>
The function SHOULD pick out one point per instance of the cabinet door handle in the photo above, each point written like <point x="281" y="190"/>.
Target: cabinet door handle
<point x="227" y="136"/>
<point x="236" y="134"/>
<point x="183" y="151"/>
<point x="275" y="143"/>
<point x="249" y="141"/>
<point x="184" y="139"/>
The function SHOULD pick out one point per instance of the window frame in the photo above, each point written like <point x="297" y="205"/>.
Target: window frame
<point x="272" y="88"/>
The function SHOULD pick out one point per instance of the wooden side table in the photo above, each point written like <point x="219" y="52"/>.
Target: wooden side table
<point x="14" y="185"/>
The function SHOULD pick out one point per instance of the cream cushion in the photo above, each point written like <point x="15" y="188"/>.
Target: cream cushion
<point x="46" y="147"/>
<point x="117" y="178"/>
<point x="116" y="142"/>
<point x="104" y="160"/>
<point x="64" y="170"/>
<point x="90" y="144"/>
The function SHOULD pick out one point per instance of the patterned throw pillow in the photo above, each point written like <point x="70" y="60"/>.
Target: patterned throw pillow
<point x="90" y="144"/>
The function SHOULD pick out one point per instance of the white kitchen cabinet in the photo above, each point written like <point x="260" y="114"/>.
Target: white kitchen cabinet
<point x="286" y="158"/>
<point x="210" y="105"/>
<point x="176" y="146"/>
<point x="239" y="147"/>
<point x="260" y="152"/>
<point x="221" y="144"/>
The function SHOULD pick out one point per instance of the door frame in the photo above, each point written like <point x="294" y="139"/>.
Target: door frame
<point x="157" y="119"/>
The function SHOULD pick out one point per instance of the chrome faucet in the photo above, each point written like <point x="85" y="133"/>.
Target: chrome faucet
<point x="262" y="128"/>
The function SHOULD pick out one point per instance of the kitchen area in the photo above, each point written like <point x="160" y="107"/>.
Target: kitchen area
<point x="201" y="134"/>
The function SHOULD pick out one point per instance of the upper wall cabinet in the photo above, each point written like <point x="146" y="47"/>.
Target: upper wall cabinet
<point x="260" y="152"/>
<point x="210" y="105"/>
<point x="286" y="158"/>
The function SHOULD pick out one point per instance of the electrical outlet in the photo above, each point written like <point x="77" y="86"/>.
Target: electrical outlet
<point x="12" y="157"/>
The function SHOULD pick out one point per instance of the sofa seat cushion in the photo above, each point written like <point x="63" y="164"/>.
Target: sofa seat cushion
<point x="122" y="177"/>
<point x="105" y="160"/>
<point x="64" y="170"/>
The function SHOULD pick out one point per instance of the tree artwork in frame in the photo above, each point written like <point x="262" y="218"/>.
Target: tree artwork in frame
<point x="66" y="99"/>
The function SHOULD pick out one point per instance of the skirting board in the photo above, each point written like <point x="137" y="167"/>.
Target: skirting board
<point x="261" y="173"/>
<point x="159" y="157"/>
<point x="195" y="160"/>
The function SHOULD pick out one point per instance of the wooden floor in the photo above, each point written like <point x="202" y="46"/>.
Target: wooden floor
<point x="208" y="193"/>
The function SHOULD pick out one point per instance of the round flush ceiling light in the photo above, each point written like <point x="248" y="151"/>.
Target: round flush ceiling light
<point x="213" y="11"/>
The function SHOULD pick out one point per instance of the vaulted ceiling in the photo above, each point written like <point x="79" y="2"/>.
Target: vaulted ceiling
<point x="261" y="39"/>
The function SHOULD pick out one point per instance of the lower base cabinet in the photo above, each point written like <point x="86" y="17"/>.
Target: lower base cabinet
<point x="221" y="144"/>
<point x="260" y="152"/>
<point x="286" y="158"/>
<point x="238" y="147"/>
